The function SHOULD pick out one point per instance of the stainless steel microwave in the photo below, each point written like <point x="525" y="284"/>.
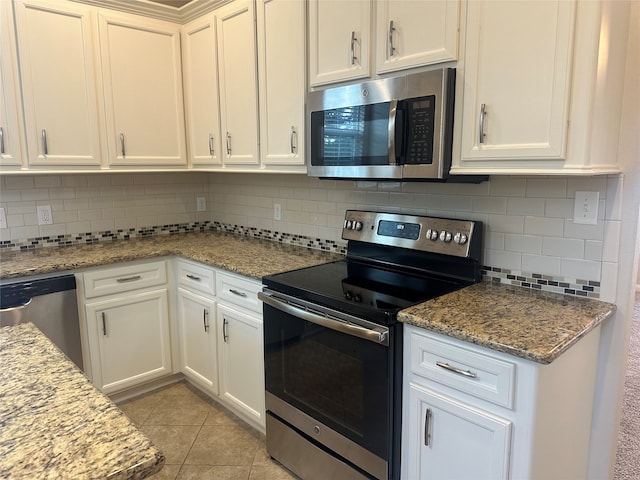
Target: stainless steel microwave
<point x="392" y="128"/>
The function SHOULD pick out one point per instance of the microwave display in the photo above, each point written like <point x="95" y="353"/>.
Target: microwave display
<point x="419" y="138"/>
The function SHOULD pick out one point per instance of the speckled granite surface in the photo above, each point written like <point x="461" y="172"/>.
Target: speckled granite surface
<point x="246" y="256"/>
<point x="538" y="326"/>
<point x="55" y="425"/>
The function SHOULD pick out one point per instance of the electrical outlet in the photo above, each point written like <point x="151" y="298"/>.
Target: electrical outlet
<point x="44" y="215"/>
<point x="3" y="218"/>
<point x="201" y="204"/>
<point x="277" y="211"/>
<point x="585" y="208"/>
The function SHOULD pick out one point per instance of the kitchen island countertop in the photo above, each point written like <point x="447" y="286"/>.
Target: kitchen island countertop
<point x="55" y="424"/>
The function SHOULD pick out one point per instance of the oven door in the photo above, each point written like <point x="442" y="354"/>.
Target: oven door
<point x="335" y="369"/>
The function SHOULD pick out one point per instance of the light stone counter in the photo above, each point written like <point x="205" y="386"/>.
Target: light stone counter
<point x="54" y="424"/>
<point x="538" y="326"/>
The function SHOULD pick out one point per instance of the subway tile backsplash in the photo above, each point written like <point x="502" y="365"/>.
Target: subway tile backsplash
<point x="529" y="230"/>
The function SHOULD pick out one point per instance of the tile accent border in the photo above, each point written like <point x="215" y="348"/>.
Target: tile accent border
<point x="536" y="281"/>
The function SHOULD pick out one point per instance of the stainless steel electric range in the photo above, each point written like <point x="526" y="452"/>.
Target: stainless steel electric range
<point x="333" y="346"/>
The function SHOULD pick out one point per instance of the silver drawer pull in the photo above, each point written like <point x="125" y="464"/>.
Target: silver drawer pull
<point x="129" y="279"/>
<point x="236" y="292"/>
<point x="466" y="373"/>
<point x="193" y="277"/>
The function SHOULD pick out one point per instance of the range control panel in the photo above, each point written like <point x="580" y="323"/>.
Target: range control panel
<point x="447" y="236"/>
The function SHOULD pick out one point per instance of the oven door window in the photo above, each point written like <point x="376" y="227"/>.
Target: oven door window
<point x="340" y="380"/>
<point x="351" y="136"/>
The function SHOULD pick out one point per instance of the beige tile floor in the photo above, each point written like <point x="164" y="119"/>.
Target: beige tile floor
<point x="201" y="439"/>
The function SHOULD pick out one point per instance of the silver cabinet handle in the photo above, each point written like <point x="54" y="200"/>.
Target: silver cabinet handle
<point x="228" y="144"/>
<point x="294" y="139"/>
<point x="390" y="40"/>
<point x="466" y="373"/>
<point x="45" y="148"/>
<point x="391" y="145"/>
<point x="236" y="292"/>
<point x="1" y="141"/>
<point x="122" y="144"/>
<point x="193" y="277"/>
<point x="205" y="315"/>
<point x="427" y="427"/>
<point x="212" y="150"/>
<point x="353" y="48"/>
<point x="225" y="337"/>
<point x="104" y="324"/>
<point x="129" y="279"/>
<point x="483" y="112"/>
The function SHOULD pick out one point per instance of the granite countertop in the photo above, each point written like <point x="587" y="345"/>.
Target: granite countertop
<point x="244" y="255"/>
<point x="535" y="325"/>
<point x="55" y="424"/>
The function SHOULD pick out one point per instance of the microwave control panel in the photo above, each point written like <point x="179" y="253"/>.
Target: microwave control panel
<point x="420" y="128"/>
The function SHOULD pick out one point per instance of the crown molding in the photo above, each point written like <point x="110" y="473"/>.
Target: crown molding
<point x="147" y="8"/>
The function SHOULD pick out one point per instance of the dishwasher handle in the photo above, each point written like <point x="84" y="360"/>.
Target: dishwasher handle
<point x="17" y="307"/>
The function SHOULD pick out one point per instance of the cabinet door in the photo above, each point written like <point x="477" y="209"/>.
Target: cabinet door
<point x="339" y="38"/>
<point x="197" y="323"/>
<point x="240" y="352"/>
<point x="59" y="82"/>
<point x="452" y="440"/>
<point x="411" y="34"/>
<point x="129" y="340"/>
<point x="11" y="139"/>
<point x="238" y="82"/>
<point x="143" y="90"/>
<point x="281" y="66"/>
<point x="202" y="109"/>
<point x="516" y="80"/>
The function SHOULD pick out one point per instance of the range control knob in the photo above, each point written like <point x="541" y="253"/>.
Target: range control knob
<point x="445" y="236"/>
<point x="357" y="226"/>
<point x="347" y="224"/>
<point x="460" y="238"/>
<point x="432" y="234"/>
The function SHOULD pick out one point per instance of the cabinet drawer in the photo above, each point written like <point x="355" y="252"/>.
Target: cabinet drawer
<point x="196" y="277"/>
<point x="240" y="291"/>
<point x="107" y="281"/>
<point x="464" y="368"/>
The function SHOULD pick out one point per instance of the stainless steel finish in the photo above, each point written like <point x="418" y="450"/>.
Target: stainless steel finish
<point x="326" y="317"/>
<point x="427" y="427"/>
<point x="390" y="38"/>
<point x="225" y="336"/>
<point x="331" y="439"/>
<point x="1" y="140"/>
<point x="353" y="48"/>
<point x="303" y="457"/>
<point x="428" y="225"/>
<point x="55" y="314"/>
<point x="211" y="145"/>
<point x="205" y="315"/>
<point x="104" y="324"/>
<point x="466" y="373"/>
<point x="228" y="144"/>
<point x="294" y="139"/>
<point x="236" y="292"/>
<point x="391" y="146"/>
<point x="129" y="279"/>
<point x="45" y="147"/>
<point x="122" y="144"/>
<point x="481" y="134"/>
<point x="433" y="82"/>
<point x="193" y="277"/>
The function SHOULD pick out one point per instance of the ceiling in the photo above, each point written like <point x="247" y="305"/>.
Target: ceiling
<point x="172" y="3"/>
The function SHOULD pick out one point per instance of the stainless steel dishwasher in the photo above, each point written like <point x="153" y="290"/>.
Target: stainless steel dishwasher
<point x="50" y="304"/>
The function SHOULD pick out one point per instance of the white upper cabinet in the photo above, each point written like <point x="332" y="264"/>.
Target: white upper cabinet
<point x="202" y="108"/>
<point x="411" y="34"/>
<point x="142" y="75"/>
<point x="538" y="86"/>
<point x="281" y="67"/>
<point x="339" y="40"/>
<point x="11" y="139"/>
<point x="61" y="97"/>
<point x="236" y="45"/>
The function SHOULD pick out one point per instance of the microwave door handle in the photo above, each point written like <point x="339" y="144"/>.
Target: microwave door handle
<point x="391" y="147"/>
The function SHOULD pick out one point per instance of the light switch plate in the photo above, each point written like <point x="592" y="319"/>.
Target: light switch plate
<point x="201" y="204"/>
<point x="585" y="208"/>
<point x="3" y="218"/>
<point x="277" y="211"/>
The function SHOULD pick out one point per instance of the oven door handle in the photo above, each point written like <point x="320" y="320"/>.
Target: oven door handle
<point x="380" y="336"/>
